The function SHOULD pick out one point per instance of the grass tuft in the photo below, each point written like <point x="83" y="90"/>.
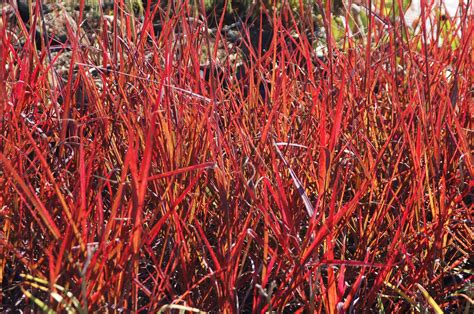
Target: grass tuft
<point x="175" y="163"/>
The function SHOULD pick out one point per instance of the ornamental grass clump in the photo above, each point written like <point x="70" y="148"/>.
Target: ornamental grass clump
<point x="169" y="167"/>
